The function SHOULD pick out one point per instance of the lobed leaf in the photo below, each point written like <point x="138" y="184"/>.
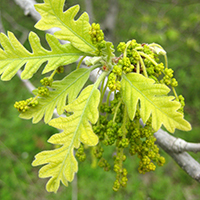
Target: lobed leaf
<point x="108" y="52"/>
<point x="70" y="86"/>
<point x="75" y="31"/>
<point x="14" y="55"/>
<point x="153" y="101"/>
<point x="61" y="163"/>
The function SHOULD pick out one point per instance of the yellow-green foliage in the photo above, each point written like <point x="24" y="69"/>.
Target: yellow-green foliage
<point x="14" y="55"/>
<point x="61" y="163"/>
<point x="70" y="86"/>
<point x="75" y="31"/>
<point x="153" y="101"/>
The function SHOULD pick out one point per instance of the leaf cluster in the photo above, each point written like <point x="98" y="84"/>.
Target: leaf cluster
<point x="136" y="74"/>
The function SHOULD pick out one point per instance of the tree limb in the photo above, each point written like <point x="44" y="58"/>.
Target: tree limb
<point x="177" y="151"/>
<point x="175" y="147"/>
<point x="27" y="83"/>
<point x="28" y="7"/>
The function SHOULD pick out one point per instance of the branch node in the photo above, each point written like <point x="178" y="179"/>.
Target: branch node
<point x="179" y="145"/>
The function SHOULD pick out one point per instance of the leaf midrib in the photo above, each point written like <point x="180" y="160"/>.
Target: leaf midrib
<point x="45" y="56"/>
<point x="149" y="100"/>
<point x="77" y="127"/>
<point x="88" y="44"/>
<point x="63" y="91"/>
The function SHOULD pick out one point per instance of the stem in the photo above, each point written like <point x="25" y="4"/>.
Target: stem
<point x="115" y="93"/>
<point x="101" y="99"/>
<point x="138" y="68"/>
<point x="102" y="84"/>
<point x="103" y="92"/>
<point x="79" y="63"/>
<point x="115" y="114"/>
<point x="121" y="153"/>
<point x="166" y="61"/>
<point x="33" y="99"/>
<point x="99" y="80"/>
<point x="52" y="75"/>
<point x="155" y="45"/>
<point x="165" y="56"/>
<point x="107" y="101"/>
<point x="175" y="94"/>
<point x="149" y="58"/>
<point x="139" y="48"/>
<point x="124" y="131"/>
<point x="108" y="98"/>
<point x="126" y="48"/>
<point x="124" y="122"/>
<point x="143" y="65"/>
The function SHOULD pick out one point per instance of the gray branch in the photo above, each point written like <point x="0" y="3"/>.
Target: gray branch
<point x="175" y="147"/>
<point x="28" y="7"/>
<point x="180" y="145"/>
<point x="27" y="83"/>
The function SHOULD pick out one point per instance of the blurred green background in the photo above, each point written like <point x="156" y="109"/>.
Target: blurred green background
<point x="175" y="25"/>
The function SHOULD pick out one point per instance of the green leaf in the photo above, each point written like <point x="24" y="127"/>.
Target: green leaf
<point x="153" y="101"/>
<point x="14" y="55"/>
<point x="108" y="52"/>
<point x="75" y="31"/>
<point x="61" y="163"/>
<point x="70" y="85"/>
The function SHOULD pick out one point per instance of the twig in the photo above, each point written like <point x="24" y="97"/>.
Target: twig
<point x="28" y="7"/>
<point x="27" y="83"/>
<point x="16" y="26"/>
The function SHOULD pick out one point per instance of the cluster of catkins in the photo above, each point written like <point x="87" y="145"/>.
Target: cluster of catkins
<point x="114" y="127"/>
<point x="43" y="91"/>
<point x="141" y="58"/>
